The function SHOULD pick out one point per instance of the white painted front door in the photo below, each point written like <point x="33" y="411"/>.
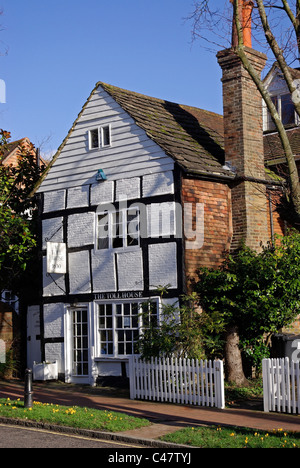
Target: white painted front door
<point x="77" y="346"/>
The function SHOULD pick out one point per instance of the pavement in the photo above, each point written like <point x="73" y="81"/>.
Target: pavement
<point x="165" y="417"/>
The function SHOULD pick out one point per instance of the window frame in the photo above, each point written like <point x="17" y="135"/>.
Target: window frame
<point x="100" y="137"/>
<point x="269" y="126"/>
<point x="114" y="332"/>
<point x="113" y="217"/>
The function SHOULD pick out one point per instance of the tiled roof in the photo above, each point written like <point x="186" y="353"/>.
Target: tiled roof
<point x="10" y="147"/>
<point x="273" y="149"/>
<point x="192" y="137"/>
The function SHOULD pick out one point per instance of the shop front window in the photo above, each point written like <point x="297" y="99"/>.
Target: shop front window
<point x="120" y="325"/>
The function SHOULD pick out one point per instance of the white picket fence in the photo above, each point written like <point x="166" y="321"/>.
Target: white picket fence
<point x="177" y="380"/>
<point x="281" y="384"/>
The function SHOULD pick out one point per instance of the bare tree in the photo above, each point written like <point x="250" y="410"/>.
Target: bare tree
<point x="278" y="23"/>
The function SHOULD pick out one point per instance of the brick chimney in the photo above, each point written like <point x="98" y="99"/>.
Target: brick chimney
<point x="243" y="132"/>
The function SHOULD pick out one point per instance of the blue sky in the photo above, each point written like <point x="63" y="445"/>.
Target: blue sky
<point x="57" y="50"/>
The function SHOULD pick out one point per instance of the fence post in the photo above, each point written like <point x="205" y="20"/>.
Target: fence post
<point x="219" y="382"/>
<point x="132" y="377"/>
<point x="266" y="363"/>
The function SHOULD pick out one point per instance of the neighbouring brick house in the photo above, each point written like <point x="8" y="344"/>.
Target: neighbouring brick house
<point x="277" y="87"/>
<point x="140" y="194"/>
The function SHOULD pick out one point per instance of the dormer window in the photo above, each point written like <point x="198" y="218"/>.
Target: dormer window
<point x="100" y="137"/>
<point x="286" y="110"/>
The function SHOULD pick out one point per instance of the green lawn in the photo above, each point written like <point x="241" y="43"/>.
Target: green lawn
<point x="205" y="437"/>
<point x="74" y="416"/>
<point x="233" y="437"/>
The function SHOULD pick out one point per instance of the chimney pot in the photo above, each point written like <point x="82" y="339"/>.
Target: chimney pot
<point x="245" y="8"/>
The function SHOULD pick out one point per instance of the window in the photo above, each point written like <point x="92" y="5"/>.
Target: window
<point x="118" y="229"/>
<point x="100" y="137"/>
<point x="120" y="325"/>
<point x="105" y="135"/>
<point x="285" y="108"/>
<point x="94" y="139"/>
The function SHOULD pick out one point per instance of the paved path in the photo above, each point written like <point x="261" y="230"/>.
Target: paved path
<point x="166" y="417"/>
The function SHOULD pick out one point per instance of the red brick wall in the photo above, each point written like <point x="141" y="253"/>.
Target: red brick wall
<point x="278" y="223"/>
<point x="216" y="198"/>
<point x="6" y="324"/>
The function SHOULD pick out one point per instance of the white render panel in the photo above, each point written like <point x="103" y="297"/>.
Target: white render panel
<point x="55" y="352"/>
<point x="132" y="153"/>
<point x="78" y="197"/>
<point x="130" y="271"/>
<point x="54" y="201"/>
<point x="54" y="283"/>
<point x="161" y="219"/>
<point x="54" y="320"/>
<point x="81" y="229"/>
<point x="127" y="189"/>
<point x="163" y="265"/>
<point x="109" y="368"/>
<point x="104" y="272"/>
<point x="102" y="192"/>
<point x="79" y="272"/>
<point x="52" y="229"/>
<point x="158" y="184"/>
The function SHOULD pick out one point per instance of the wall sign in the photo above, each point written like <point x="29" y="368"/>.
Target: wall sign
<point x="56" y="257"/>
<point x="119" y="295"/>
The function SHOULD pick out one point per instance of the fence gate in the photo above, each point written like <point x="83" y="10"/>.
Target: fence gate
<point x="281" y="385"/>
<point x="177" y="380"/>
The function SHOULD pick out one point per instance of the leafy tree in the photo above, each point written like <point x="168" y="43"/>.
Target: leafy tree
<point x="181" y="331"/>
<point x="256" y="294"/>
<point x="17" y="214"/>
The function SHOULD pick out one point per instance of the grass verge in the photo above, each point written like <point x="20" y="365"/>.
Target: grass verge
<point x="233" y="437"/>
<point x="84" y="418"/>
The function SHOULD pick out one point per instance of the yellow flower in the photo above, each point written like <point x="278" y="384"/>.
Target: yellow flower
<point x="232" y="434"/>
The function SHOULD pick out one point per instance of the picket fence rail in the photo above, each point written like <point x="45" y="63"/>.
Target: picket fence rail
<point x="177" y="380"/>
<point x="281" y="385"/>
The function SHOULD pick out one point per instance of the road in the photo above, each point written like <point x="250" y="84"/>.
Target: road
<point x="20" y="437"/>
